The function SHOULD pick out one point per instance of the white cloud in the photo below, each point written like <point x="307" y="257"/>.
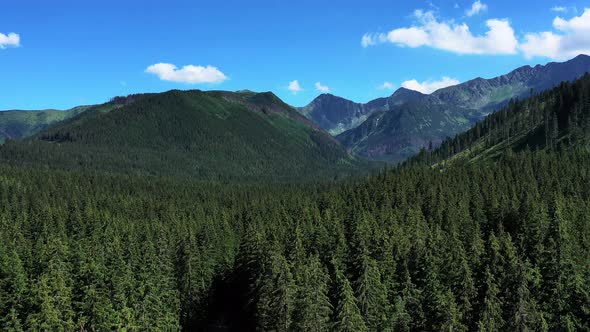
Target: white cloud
<point x="295" y="87"/>
<point x="412" y="37"/>
<point x="187" y="74"/>
<point x="10" y="40"/>
<point x="559" y="9"/>
<point x="322" y="88"/>
<point x="368" y="40"/>
<point x="449" y="36"/>
<point x="387" y="86"/>
<point x="572" y="38"/>
<point x="567" y="38"/>
<point x="476" y="8"/>
<point x="428" y="87"/>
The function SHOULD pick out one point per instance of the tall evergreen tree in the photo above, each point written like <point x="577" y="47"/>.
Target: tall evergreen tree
<point x="312" y="307"/>
<point x="347" y="316"/>
<point x="372" y="295"/>
<point x="491" y="316"/>
<point x="276" y="299"/>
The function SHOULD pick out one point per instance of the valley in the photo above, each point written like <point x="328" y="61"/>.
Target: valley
<point x="156" y="175"/>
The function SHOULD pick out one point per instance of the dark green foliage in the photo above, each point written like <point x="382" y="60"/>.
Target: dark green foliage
<point x="276" y="299"/>
<point x="371" y="294"/>
<point x="347" y="316"/>
<point x="490" y="245"/>
<point x="141" y="253"/>
<point x="313" y="310"/>
<point x="491" y="315"/>
<point x="201" y="135"/>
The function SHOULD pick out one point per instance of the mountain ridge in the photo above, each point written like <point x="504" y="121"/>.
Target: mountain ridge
<point x="451" y="110"/>
<point x="555" y="120"/>
<point x="337" y="114"/>
<point x="18" y="124"/>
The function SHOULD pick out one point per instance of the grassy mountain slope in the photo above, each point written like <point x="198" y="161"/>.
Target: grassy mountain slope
<point x="17" y="124"/>
<point x="392" y="137"/>
<point x="203" y="135"/>
<point x="553" y="120"/>
<point x="488" y="95"/>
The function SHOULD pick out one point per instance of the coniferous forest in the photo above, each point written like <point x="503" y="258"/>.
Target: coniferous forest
<point x="496" y="243"/>
<point x="501" y="246"/>
<point x="294" y="166"/>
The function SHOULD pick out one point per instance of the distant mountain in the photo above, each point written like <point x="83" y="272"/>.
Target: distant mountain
<point x="490" y="94"/>
<point x="19" y="124"/>
<point x="201" y="135"/>
<point x="557" y="119"/>
<point x="336" y="114"/>
<point x="398" y="133"/>
<point x="401" y="131"/>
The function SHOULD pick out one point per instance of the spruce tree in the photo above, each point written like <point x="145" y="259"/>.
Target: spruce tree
<point x="347" y="316"/>
<point x="371" y="294"/>
<point x="312" y="306"/>
<point x="491" y="315"/>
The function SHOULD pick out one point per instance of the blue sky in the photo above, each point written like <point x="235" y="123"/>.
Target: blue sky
<point x="58" y="54"/>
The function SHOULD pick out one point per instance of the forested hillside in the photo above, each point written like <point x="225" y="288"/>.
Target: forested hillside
<point x="20" y="124"/>
<point x="398" y="134"/>
<point x="553" y="120"/>
<point x="200" y="135"/>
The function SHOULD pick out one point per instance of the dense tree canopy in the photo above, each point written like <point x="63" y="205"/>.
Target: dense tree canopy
<point x="482" y="244"/>
<point x="500" y="246"/>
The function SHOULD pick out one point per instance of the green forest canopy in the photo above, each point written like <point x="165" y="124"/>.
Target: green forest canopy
<point x="485" y="244"/>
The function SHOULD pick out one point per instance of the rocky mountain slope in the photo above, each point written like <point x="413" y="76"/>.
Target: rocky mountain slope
<point x="395" y="133"/>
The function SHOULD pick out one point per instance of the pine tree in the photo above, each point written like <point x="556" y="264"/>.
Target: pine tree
<point x="526" y="316"/>
<point x="53" y="291"/>
<point x="11" y="323"/>
<point x="276" y="299"/>
<point x="13" y="289"/>
<point x="400" y="319"/>
<point x="491" y="316"/>
<point x="313" y="309"/>
<point x="347" y="314"/>
<point x="371" y="294"/>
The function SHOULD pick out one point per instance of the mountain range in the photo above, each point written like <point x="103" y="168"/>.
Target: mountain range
<point x="555" y="120"/>
<point x="215" y="135"/>
<point x="249" y="135"/>
<point x="395" y="128"/>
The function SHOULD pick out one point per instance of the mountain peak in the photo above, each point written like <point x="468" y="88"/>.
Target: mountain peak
<point x="246" y="91"/>
<point x="405" y="92"/>
<point x="326" y="96"/>
<point x="581" y="56"/>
